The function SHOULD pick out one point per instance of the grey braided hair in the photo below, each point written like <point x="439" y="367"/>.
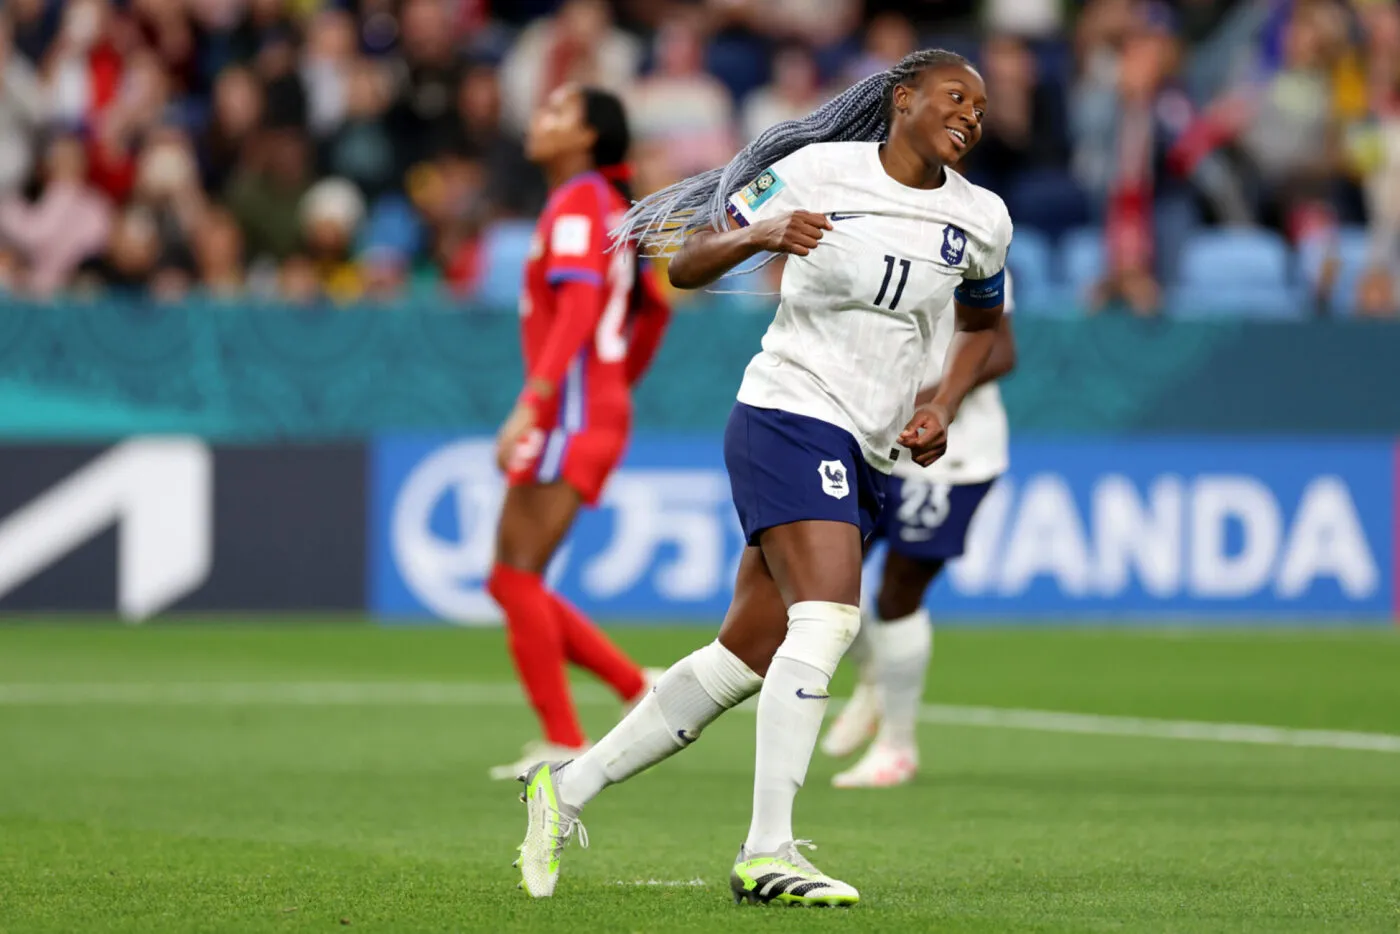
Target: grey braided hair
<point x="661" y="220"/>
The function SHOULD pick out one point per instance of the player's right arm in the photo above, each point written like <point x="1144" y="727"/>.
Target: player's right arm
<point x="709" y="254"/>
<point x="763" y="217"/>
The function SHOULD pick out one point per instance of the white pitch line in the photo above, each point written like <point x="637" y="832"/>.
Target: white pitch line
<point x="665" y="883"/>
<point x="456" y="694"/>
<point x="1051" y="721"/>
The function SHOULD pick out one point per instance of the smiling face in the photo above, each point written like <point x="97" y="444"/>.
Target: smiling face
<point x="939" y="112"/>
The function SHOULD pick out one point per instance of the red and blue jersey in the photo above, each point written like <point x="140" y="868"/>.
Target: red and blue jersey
<point x="582" y="329"/>
<point x="591" y="319"/>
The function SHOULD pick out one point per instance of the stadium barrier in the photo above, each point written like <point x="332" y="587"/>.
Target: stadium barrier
<point x="104" y="371"/>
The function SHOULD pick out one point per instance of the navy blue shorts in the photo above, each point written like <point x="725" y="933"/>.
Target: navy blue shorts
<point x="928" y="521"/>
<point x="786" y="468"/>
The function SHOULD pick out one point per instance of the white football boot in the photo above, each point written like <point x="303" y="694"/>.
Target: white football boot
<point x="533" y="754"/>
<point x="550" y="825"/>
<point x="786" y="877"/>
<point x="882" y="766"/>
<point x="855" y="724"/>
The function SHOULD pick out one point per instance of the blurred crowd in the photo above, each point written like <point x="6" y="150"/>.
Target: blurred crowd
<point x="346" y="150"/>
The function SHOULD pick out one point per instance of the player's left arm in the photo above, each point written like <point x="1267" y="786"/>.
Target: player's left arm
<point x="978" y="312"/>
<point x="577" y="272"/>
<point x="1000" y="362"/>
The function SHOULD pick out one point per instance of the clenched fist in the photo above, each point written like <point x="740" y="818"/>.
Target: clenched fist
<point x="796" y="233"/>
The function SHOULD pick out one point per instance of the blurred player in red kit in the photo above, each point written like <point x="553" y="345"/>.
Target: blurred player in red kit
<point x="591" y="318"/>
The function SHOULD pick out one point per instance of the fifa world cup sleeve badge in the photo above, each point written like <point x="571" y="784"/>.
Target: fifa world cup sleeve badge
<point x="762" y="189"/>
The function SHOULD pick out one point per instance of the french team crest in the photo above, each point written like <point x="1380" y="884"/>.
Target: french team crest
<point x="954" y="245"/>
<point x="833" y="474"/>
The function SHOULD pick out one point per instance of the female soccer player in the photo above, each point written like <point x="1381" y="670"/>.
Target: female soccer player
<point x="880" y="233"/>
<point x="590" y="323"/>
<point x="924" y="527"/>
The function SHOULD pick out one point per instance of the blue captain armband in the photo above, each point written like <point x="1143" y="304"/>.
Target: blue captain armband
<point x="982" y="293"/>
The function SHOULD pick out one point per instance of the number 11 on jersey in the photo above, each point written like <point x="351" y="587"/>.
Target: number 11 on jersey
<point x="889" y="274"/>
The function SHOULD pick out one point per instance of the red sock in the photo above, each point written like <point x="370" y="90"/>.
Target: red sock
<point x="589" y="648"/>
<point x="537" y="644"/>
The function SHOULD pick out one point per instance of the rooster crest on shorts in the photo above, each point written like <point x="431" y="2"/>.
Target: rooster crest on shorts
<point x="833" y="474"/>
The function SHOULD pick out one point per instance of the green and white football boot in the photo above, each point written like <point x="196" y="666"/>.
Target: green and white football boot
<point x="550" y="825"/>
<point x="786" y="877"/>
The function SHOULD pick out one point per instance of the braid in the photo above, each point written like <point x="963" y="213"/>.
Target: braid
<point x="861" y="113"/>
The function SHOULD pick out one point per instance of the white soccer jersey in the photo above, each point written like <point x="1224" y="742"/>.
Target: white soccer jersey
<point x="856" y="317"/>
<point x="978" y="439"/>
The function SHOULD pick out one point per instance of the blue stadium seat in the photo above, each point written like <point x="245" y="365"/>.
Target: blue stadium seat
<point x="1279" y="302"/>
<point x="1237" y="272"/>
<point x="1082" y="259"/>
<point x="1234" y="258"/>
<point x="506" y="247"/>
<point x="1351" y="256"/>
<point x="1029" y="260"/>
<point x="1035" y="288"/>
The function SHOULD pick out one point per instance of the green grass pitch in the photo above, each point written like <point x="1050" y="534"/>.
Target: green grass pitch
<point x="297" y="777"/>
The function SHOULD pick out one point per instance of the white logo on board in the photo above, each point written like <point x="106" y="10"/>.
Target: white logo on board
<point x="159" y="492"/>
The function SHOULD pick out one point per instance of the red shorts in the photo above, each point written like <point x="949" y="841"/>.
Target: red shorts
<point x="582" y="459"/>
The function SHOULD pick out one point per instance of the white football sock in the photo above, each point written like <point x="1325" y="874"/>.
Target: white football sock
<point x="790" y="709"/>
<point x="902" y="648"/>
<point x="861" y="653"/>
<point x="687" y="698"/>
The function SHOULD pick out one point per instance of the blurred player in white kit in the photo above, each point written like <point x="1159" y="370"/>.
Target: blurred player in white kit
<point x="924" y="526"/>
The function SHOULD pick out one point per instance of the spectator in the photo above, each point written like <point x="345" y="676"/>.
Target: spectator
<point x="1375" y="294"/>
<point x="452" y="198"/>
<point x="331" y="213"/>
<point x="237" y="112"/>
<point x="1374" y="151"/>
<point x="284" y="95"/>
<point x="172" y="280"/>
<point x="119" y="129"/>
<point x="22" y="111"/>
<point x="681" y="105"/>
<point x="35" y="24"/>
<point x="794" y="92"/>
<point x="812" y="23"/>
<point x="164" y="28"/>
<point x="131" y="259"/>
<point x="579" y="43"/>
<point x="1024" y="153"/>
<point x="167" y="185"/>
<point x="83" y="67"/>
<point x="1286" y="157"/>
<point x="423" y="118"/>
<point x="517" y="186"/>
<point x="261" y="20"/>
<point x="362" y="149"/>
<point x="888" y="38"/>
<point x="218" y="255"/>
<point x="1124" y="137"/>
<point x="69" y="223"/>
<point x="266" y="190"/>
<point x="297" y="282"/>
<point x="11" y="270"/>
<point x="326" y="69"/>
<point x="1024" y="18"/>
